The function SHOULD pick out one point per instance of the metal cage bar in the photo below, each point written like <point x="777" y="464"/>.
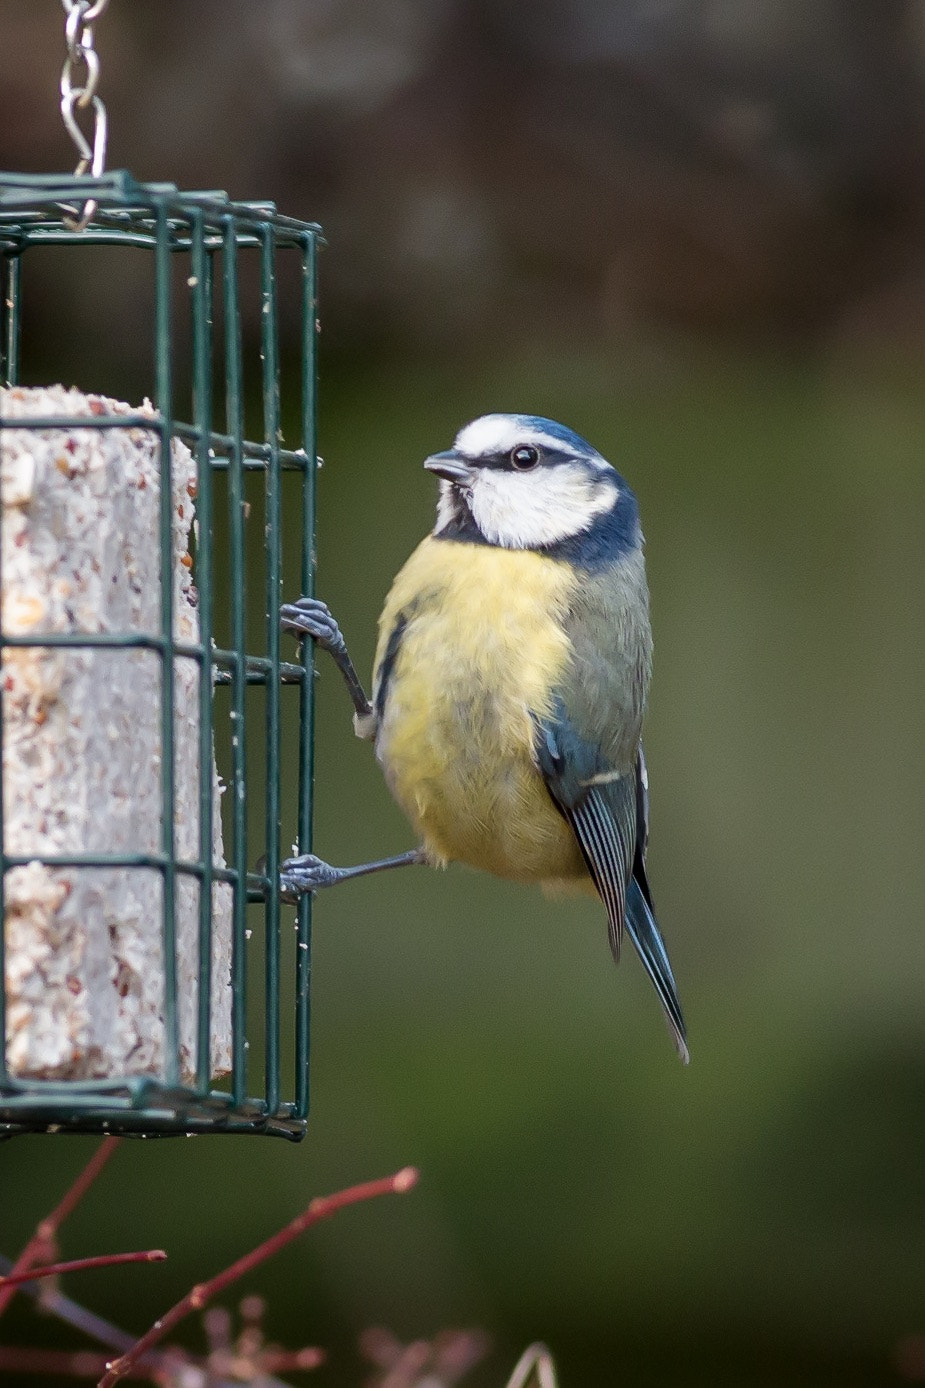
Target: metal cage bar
<point x="269" y="353"/>
<point x="209" y="234"/>
<point x="307" y="703"/>
<point x="163" y="399"/>
<point x="201" y="285"/>
<point x="10" y="285"/>
<point x="9" y="361"/>
<point x="234" y="407"/>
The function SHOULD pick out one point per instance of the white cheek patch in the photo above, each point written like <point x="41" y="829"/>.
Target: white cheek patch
<point x="447" y="507"/>
<point x="527" y="510"/>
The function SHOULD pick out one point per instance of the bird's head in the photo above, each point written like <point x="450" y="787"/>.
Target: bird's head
<point x="523" y="482"/>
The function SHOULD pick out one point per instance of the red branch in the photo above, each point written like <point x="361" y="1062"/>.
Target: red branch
<point x="322" y="1207"/>
<point x="100" y="1260"/>
<point x="79" y="1363"/>
<point x="41" y="1245"/>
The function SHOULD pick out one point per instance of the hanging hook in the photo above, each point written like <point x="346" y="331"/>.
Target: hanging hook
<point x="78" y="35"/>
<point x="87" y="90"/>
<point x="91" y="157"/>
<point x="91" y="11"/>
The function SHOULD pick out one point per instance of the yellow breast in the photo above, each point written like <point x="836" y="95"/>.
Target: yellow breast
<point x="482" y="646"/>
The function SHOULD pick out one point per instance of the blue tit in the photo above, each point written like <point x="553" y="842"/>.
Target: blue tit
<point x="511" y="677"/>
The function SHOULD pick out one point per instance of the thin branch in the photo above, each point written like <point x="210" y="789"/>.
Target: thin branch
<point x="64" y="1363"/>
<point x="100" y="1260"/>
<point x="42" y="1241"/>
<point x="49" y="1226"/>
<point x="72" y="1313"/>
<point x="106" y="1334"/>
<point x="199" y="1296"/>
<point x="535" y="1359"/>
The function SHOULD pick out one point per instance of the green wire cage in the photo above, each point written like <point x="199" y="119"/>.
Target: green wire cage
<point x="209" y="262"/>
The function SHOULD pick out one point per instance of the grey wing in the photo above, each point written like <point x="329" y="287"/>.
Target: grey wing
<point x="608" y="814"/>
<point x="600" y="807"/>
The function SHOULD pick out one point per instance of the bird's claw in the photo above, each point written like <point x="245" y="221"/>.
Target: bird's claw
<point x="312" y="617"/>
<point x="304" y="874"/>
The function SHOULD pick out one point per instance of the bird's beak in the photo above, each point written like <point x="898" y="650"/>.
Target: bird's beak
<point x="450" y="465"/>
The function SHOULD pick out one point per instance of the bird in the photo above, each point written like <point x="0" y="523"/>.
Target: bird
<point x="510" y="681"/>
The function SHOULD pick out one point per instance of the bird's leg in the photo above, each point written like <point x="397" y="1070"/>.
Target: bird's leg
<point x="309" y="874"/>
<point x="311" y="617"/>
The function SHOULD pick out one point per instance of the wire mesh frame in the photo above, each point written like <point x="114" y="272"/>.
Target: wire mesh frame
<point x="211" y="230"/>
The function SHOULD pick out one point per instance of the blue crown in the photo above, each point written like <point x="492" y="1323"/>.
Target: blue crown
<point x="566" y="436"/>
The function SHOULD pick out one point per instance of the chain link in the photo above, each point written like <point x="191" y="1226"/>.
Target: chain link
<point x="79" y="79"/>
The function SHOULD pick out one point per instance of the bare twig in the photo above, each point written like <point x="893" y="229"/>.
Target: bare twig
<point x="63" y="1363"/>
<point x="41" y="1246"/>
<point x="100" y="1260"/>
<point x="320" y="1208"/>
<point x="112" y="1338"/>
<point x="535" y="1359"/>
<point x="54" y="1303"/>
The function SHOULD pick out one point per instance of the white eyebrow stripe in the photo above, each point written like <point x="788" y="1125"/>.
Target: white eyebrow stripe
<point x="497" y="433"/>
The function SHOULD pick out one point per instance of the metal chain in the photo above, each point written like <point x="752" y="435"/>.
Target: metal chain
<point x="79" y="78"/>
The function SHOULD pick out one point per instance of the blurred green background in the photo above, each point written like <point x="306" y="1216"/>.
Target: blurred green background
<point x="739" y="333"/>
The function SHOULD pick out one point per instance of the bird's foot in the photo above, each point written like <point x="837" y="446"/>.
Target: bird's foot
<point x="306" y="874"/>
<point x="309" y="874"/>
<point x="312" y="617"/>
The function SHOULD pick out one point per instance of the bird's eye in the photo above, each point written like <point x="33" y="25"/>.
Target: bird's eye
<point x="525" y="457"/>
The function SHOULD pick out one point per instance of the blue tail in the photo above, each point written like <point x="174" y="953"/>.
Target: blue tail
<point x="646" y="936"/>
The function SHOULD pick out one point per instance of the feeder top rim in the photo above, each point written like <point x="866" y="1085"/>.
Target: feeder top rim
<point x="37" y="199"/>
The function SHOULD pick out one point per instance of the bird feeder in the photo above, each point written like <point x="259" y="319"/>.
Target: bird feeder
<point x="149" y="983"/>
